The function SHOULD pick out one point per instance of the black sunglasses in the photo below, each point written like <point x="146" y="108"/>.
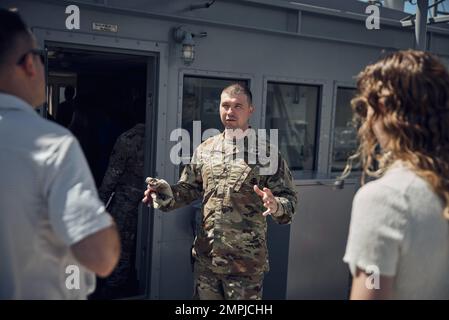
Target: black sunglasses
<point x="37" y="52"/>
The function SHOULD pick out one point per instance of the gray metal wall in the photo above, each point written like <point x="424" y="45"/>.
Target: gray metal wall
<point x="317" y="243"/>
<point x="262" y="41"/>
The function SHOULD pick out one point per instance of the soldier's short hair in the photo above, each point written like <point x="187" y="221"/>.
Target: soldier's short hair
<point x="12" y="30"/>
<point x="239" y="88"/>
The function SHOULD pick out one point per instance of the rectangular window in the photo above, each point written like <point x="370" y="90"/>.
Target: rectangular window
<point x="293" y="110"/>
<point x="345" y="134"/>
<point x="201" y="101"/>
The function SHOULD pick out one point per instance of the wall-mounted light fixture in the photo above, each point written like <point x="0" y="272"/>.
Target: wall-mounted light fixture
<point x="188" y="45"/>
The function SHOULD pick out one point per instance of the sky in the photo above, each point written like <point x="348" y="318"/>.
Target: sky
<point x="411" y="8"/>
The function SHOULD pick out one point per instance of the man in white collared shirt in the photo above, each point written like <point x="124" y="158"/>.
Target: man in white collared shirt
<point x="54" y="231"/>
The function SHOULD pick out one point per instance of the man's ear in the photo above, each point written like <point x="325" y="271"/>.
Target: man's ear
<point x="29" y="65"/>
<point x="251" y="108"/>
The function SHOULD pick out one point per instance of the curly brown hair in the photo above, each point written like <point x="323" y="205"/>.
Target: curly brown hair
<point x="408" y="93"/>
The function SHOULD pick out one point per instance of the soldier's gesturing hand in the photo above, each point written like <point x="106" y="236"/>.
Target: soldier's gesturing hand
<point x="147" y="199"/>
<point x="158" y="193"/>
<point x="269" y="201"/>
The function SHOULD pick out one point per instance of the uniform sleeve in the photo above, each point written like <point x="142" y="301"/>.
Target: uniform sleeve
<point x="189" y="187"/>
<point x="377" y="230"/>
<point x="282" y="187"/>
<point x="74" y="209"/>
<point x="116" y="167"/>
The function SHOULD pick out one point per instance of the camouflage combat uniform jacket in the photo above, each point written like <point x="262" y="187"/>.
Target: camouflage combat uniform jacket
<point x="124" y="174"/>
<point x="232" y="237"/>
<point x="124" y="177"/>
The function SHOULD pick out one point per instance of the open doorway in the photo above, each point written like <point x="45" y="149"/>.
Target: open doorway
<point x="101" y="97"/>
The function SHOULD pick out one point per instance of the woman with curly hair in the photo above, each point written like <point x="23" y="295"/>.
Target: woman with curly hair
<point x="398" y="245"/>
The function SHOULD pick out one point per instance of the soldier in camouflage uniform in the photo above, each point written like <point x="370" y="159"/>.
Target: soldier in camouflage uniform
<point x="230" y="250"/>
<point x="124" y="177"/>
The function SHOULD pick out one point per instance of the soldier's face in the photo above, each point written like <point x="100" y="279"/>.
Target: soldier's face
<point x="235" y="111"/>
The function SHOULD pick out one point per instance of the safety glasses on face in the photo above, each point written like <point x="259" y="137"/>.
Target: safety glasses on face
<point x="37" y="52"/>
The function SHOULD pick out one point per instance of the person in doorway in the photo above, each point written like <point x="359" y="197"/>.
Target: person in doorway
<point x="66" y="108"/>
<point x="399" y="233"/>
<point x="52" y="223"/>
<point x="230" y="251"/>
<point x="121" y="189"/>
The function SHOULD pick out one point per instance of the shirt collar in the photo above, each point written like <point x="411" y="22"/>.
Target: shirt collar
<point x="8" y="101"/>
<point x="237" y="136"/>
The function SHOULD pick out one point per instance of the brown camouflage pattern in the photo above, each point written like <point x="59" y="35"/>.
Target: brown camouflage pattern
<point x="233" y="233"/>
<point x="212" y="286"/>
<point x="124" y="176"/>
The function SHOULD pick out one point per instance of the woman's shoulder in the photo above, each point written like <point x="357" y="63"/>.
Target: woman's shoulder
<point x="399" y="178"/>
<point x="400" y="187"/>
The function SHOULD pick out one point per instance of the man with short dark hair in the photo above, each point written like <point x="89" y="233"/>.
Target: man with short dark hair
<point x="230" y="250"/>
<point x="54" y="230"/>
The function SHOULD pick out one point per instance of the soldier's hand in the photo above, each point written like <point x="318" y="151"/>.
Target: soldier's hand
<point x="158" y="193"/>
<point x="148" y="195"/>
<point x="269" y="201"/>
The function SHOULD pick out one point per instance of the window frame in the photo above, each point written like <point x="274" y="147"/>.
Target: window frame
<point x="197" y="73"/>
<point x="337" y="85"/>
<point x="219" y="75"/>
<point x="319" y="143"/>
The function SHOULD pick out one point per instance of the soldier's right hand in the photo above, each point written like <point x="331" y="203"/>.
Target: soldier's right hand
<point x="147" y="198"/>
<point x="158" y="193"/>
